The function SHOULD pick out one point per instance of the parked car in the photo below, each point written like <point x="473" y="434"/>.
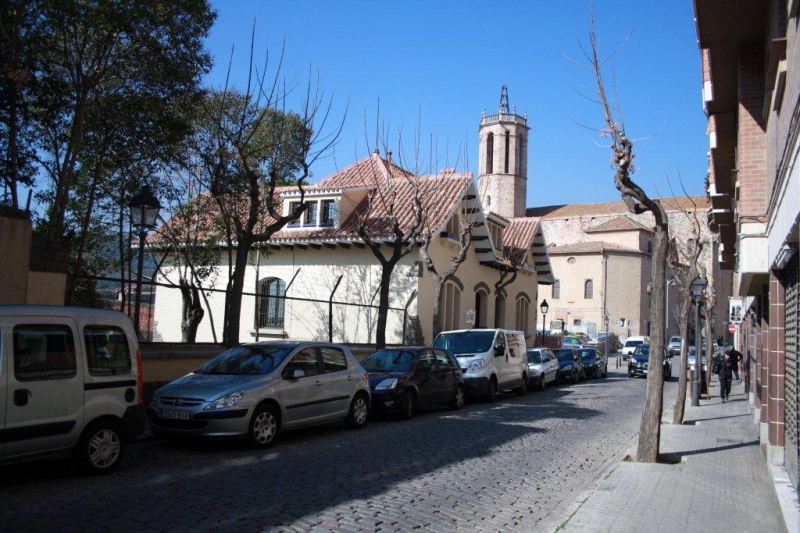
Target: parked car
<point x="639" y="363"/>
<point x="631" y="343"/>
<point x="571" y="340"/>
<point x="491" y="360"/>
<point x="692" y="358"/>
<point x="409" y="377"/>
<point x="674" y="345"/>
<point x="542" y="368"/>
<point x="256" y="390"/>
<point x="571" y="365"/>
<point x="70" y="382"/>
<point x="594" y="364"/>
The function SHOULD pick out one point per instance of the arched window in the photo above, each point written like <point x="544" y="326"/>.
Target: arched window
<point x="481" y="310"/>
<point x="271" y="300"/>
<point x="523" y="307"/>
<point x="500" y="311"/>
<point x="556" y="290"/>
<point x="489" y="153"/>
<point x="451" y="306"/>
<point x="588" y="289"/>
<point x="649" y="247"/>
<point x="508" y="150"/>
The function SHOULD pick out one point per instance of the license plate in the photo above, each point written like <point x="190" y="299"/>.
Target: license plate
<point x="175" y="415"/>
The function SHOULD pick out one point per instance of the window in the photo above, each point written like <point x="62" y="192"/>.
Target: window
<point x="44" y="351"/>
<point x="451" y="305"/>
<point x="333" y="360"/>
<point x="649" y="247"/>
<point x="556" y="290"/>
<point x="311" y="214"/>
<point x="522" y="315"/>
<point x="490" y="153"/>
<point x="500" y="311"/>
<point x="305" y="360"/>
<point x="293" y="206"/>
<point x="508" y="150"/>
<point x="107" y="350"/>
<point x="271" y="301"/>
<point x="444" y="361"/>
<point x="328" y="216"/>
<point x="588" y="289"/>
<point x="481" y="297"/>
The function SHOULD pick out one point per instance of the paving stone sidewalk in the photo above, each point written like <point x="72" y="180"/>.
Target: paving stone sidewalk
<point x="719" y="482"/>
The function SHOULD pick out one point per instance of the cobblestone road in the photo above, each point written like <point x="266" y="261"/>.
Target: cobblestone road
<point x="490" y="467"/>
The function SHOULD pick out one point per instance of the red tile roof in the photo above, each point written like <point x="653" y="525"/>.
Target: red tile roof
<point x="591" y="247"/>
<point x="619" y="224"/>
<point x="610" y="208"/>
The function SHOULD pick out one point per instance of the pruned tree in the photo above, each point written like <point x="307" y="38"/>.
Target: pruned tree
<point x="249" y="146"/>
<point x="683" y="262"/>
<point x="637" y="201"/>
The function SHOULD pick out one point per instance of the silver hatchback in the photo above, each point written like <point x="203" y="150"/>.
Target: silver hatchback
<point x="255" y="390"/>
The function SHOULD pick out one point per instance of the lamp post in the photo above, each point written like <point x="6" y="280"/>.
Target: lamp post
<point x="698" y="285"/>
<point x="544" y="307"/>
<point x="605" y="321"/>
<point x="144" y="213"/>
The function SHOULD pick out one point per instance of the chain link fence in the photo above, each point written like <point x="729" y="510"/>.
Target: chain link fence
<point x="263" y="316"/>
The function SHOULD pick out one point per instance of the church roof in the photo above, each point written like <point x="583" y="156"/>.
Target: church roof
<point x="619" y="224"/>
<point x="610" y="208"/>
<point x="591" y="247"/>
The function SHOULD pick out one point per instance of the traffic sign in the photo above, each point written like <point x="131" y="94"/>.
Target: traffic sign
<point x="731" y="328"/>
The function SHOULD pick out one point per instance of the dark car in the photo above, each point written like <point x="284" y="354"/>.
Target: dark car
<point x="571" y="366"/>
<point x="640" y="361"/>
<point x="594" y="364"/>
<point x="406" y="378"/>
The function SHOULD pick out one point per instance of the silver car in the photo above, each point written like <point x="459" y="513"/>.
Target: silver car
<point x="255" y="390"/>
<point x="542" y="368"/>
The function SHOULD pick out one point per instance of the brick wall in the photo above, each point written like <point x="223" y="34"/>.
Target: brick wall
<point x="751" y="159"/>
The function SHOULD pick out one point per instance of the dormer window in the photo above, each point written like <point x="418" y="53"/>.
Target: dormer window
<point x="320" y="214"/>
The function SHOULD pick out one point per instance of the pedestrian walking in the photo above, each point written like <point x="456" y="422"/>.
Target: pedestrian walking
<point x="721" y="366"/>
<point x="735" y="358"/>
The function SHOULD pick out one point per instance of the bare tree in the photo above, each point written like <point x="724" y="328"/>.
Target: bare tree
<point x="637" y="202"/>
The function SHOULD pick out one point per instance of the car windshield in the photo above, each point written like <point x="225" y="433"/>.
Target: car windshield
<point x="642" y="349"/>
<point x="390" y="361"/>
<point x="247" y="359"/>
<point x="534" y="356"/>
<point x="465" y="342"/>
<point x="588" y="355"/>
<point x="572" y="340"/>
<point x="675" y="340"/>
<point x="628" y="344"/>
<point x="565" y="355"/>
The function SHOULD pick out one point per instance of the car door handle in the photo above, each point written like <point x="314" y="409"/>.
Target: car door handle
<point x="318" y="383"/>
<point x="21" y="397"/>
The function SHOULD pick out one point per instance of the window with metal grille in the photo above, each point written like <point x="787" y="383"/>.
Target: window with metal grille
<point x="327" y="215"/>
<point x="271" y="301"/>
<point x="311" y="214"/>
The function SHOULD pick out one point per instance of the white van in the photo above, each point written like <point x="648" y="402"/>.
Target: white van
<point x="70" y="382"/>
<point x="491" y="359"/>
<point x="631" y="343"/>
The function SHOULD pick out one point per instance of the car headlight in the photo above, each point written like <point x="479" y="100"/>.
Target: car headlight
<point x="226" y="401"/>
<point x="567" y="367"/>
<point x="387" y="384"/>
<point x="476" y="365"/>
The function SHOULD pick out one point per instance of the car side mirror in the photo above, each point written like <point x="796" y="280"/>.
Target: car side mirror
<point x="296" y="373"/>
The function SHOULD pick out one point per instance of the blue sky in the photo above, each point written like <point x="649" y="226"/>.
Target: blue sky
<point x="433" y="66"/>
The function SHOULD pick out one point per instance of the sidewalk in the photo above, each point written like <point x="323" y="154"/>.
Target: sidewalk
<point x="719" y="482"/>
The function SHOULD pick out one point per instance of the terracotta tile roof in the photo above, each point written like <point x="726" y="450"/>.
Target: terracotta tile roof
<point x="591" y="247"/>
<point x="619" y="224"/>
<point x="518" y="238"/>
<point x="610" y="208"/>
<point x="363" y="173"/>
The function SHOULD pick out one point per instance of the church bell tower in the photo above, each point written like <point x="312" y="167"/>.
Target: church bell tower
<point x="503" y="160"/>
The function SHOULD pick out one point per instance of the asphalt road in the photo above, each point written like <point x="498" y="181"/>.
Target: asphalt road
<point x="506" y="466"/>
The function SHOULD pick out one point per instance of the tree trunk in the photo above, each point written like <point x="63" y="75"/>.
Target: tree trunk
<point x="192" y="310"/>
<point x="438" y="282"/>
<point x="383" y="305"/>
<point x="650" y="428"/>
<point x="233" y="297"/>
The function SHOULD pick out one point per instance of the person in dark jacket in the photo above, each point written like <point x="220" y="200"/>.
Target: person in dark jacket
<point x="722" y="367"/>
<point x="735" y="358"/>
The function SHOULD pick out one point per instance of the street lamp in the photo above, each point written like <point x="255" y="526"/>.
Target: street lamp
<point x="605" y="321"/>
<point x="698" y="285"/>
<point x="544" y="307"/>
<point x="144" y="213"/>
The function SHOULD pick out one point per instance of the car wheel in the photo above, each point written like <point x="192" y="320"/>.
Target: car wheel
<point x="542" y="383"/>
<point x="491" y="390"/>
<point x="359" y="411"/>
<point x="522" y="390"/>
<point x="263" y="427"/>
<point x="100" y="448"/>
<point x="407" y="406"/>
<point x="459" y="397"/>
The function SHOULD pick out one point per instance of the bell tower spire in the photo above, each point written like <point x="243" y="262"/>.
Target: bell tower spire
<point x="503" y="160"/>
